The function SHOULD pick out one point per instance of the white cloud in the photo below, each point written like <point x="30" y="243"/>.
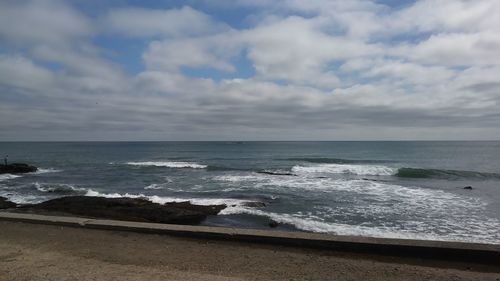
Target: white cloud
<point x="21" y="73"/>
<point x="447" y="16"/>
<point x="296" y="50"/>
<point x="141" y="22"/>
<point x="345" y="68"/>
<point x="213" y="51"/>
<point x="41" y="22"/>
<point x="455" y="49"/>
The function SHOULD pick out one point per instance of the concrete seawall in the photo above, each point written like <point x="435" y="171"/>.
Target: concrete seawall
<point x="450" y="251"/>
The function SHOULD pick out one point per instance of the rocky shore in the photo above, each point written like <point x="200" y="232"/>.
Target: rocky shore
<point x="17" y="168"/>
<point x="6" y="204"/>
<point x="130" y="209"/>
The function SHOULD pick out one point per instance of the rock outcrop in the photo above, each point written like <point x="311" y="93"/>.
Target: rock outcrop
<point x="277" y="173"/>
<point x="6" y="204"/>
<point x="17" y="168"/>
<point x="273" y="224"/>
<point x="130" y="209"/>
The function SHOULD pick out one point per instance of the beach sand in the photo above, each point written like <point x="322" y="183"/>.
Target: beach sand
<point x="45" y="252"/>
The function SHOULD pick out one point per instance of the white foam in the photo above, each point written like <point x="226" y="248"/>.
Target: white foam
<point x="23" y="198"/>
<point x="316" y="224"/>
<point x="169" y="164"/>
<point x="58" y="188"/>
<point x="155" y="186"/>
<point x="160" y="185"/>
<point x="241" y="178"/>
<point x="4" y="177"/>
<point x="230" y="202"/>
<point x="48" y="170"/>
<point x="419" y="211"/>
<point x="362" y="170"/>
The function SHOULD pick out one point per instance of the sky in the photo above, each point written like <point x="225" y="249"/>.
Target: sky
<point x="249" y="70"/>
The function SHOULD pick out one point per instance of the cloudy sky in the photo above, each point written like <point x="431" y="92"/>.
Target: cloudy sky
<point x="249" y="70"/>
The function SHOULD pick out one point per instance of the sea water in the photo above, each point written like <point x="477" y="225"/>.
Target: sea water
<point x="378" y="189"/>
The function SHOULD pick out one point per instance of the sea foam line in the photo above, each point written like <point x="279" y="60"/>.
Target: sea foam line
<point x="314" y="224"/>
<point x="48" y="170"/>
<point x="229" y="202"/>
<point x="8" y="177"/>
<point x="58" y="188"/>
<point x="168" y="164"/>
<point x="362" y="170"/>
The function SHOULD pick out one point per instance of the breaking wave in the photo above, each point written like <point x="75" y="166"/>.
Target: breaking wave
<point x="361" y="170"/>
<point x="380" y="170"/>
<point x="48" y="170"/>
<point x="59" y="188"/>
<point x="229" y="202"/>
<point x="168" y="164"/>
<point x="326" y="160"/>
<point x="443" y="174"/>
<point x="316" y="224"/>
<point x="8" y="177"/>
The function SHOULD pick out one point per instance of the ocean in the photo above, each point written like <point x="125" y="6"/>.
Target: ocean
<point x="404" y="189"/>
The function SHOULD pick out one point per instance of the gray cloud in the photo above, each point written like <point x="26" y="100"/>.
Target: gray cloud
<point x="335" y="74"/>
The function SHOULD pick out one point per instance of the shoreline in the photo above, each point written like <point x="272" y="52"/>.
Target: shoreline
<point x="436" y="250"/>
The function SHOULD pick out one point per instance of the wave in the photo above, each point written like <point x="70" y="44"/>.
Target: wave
<point x="59" y="188"/>
<point x="315" y="224"/>
<point x="276" y="173"/>
<point x="229" y="202"/>
<point x="22" y="199"/>
<point x="326" y="160"/>
<point x="168" y="164"/>
<point x="443" y="174"/>
<point x="361" y="170"/>
<point x="223" y="168"/>
<point x="48" y="170"/>
<point x="4" y="177"/>
<point x="155" y="186"/>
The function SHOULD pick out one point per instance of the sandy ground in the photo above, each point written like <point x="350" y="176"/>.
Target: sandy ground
<point x="42" y="252"/>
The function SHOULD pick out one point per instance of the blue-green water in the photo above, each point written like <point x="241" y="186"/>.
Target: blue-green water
<point x="381" y="189"/>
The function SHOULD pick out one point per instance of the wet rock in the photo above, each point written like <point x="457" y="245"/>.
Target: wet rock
<point x="6" y="204"/>
<point x="276" y="173"/>
<point x="208" y="210"/>
<point x="17" y="168"/>
<point x="273" y="224"/>
<point x="130" y="209"/>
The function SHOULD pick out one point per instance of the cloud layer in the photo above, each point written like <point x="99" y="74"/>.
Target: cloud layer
<point x="284" y="70"/>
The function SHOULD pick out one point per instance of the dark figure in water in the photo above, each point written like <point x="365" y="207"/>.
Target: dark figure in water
<point x="5" y="159"/>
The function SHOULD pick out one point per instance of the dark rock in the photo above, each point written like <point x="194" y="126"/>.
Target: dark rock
<point x="186" y="205"/>
<point x="255" y="204"/>
<point x="130" y="209"/>
<point x="6" y="204"/>
<point x="273" y="224"/>
<point x="276" y="173"/>
<point x="468" y="187"/>
<point x="17" y="168"/>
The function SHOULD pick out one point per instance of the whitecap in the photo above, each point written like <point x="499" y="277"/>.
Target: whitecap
<point x="58" y="188"/>
<point x="361" y="170"/>
<point x="316" y="224"/>
<point x="230" y="202"/>
<point x="4" y="177"/>
<point x="155" y="186"/>
<point x="47" y="170"/>
<point x="169" y="164"/>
